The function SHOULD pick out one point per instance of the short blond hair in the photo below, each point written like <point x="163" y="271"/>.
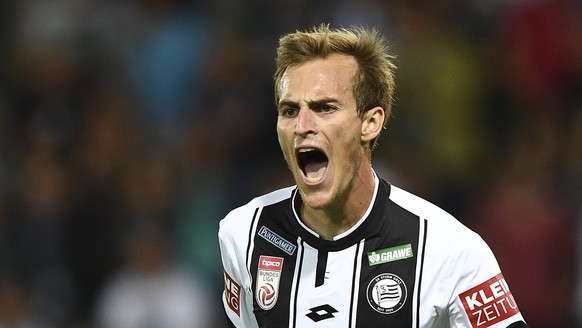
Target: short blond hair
<point x="374" y="82"/>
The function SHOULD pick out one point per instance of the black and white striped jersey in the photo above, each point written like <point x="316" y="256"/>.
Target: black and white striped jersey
<point x="406" y="263"/>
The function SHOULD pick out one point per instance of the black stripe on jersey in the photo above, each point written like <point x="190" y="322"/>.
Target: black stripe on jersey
<point x="420" y="274"/>
<point x="321" y="267"/>
<point x="251" y="234"/>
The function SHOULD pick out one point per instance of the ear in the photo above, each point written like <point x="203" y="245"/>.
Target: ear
<point x="372" y="123"/>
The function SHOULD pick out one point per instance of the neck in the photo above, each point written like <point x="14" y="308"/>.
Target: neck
<point x="339" y="217"/>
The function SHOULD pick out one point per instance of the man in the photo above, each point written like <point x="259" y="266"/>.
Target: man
<point x="344" y="248"/>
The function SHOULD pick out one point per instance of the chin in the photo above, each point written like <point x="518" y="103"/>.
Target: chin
<point x="315" y="199"/>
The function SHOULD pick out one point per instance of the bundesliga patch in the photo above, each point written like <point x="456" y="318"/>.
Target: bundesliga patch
<point x="232" y="293"/>
<point x="268" y="277"/>
<point x="386" y="293"/>
<point x="489" y="303"/>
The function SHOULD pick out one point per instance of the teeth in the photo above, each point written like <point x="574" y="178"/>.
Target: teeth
<point x="305" y="150"/>
<point x="313" y="180"/>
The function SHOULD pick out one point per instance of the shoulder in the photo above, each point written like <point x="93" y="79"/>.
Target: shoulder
<point x="439" y="221"/>
<point x="452" y="249"/>
<point x="418" y="206"/>
<point x="461" y="277"/>
<point x="446" y="237"/>
<point x="242" y="217"/>
<point x="234" y="234"/>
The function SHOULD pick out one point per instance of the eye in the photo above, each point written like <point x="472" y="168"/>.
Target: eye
<point x="325" y="108"/>
<point x="288" y="111"/>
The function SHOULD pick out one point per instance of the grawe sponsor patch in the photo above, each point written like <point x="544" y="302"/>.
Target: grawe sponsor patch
<point x="232" y="293"/>
<point x="489" y="303"/>
<point x="268" y="277"/>
<point x="390" y="254"/>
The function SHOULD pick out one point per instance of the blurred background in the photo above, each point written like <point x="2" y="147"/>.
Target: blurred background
<point x="129" y="128"/>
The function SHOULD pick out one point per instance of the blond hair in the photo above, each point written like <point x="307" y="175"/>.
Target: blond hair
<point x="373" y="83"/>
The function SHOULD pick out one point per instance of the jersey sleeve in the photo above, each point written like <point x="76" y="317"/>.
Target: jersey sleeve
<point x="481" y="297"/>
<point x="237" y="295"/>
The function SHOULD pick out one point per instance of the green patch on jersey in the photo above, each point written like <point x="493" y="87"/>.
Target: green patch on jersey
<point x="390" y="254"/>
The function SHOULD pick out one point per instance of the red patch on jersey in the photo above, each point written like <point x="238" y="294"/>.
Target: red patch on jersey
<point x="268" y="278"/>
<point x="489" y="303"/>
<point x="270" y="263"/>
<point x="232" y="293"/>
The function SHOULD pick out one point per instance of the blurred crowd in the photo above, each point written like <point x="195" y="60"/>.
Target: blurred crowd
<point x="129" y="128"/>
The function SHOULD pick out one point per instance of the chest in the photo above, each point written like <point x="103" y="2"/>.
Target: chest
<point x="370" y="282"/>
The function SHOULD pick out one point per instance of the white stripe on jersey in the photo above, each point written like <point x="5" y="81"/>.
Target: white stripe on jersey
<point x="293" y="303"/>
<point x="419" y="266"/>
<point x="343" y="273"/>
<point x="356" y="285"/>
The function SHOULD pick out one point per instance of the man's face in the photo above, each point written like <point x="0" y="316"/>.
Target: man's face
<point x="319" y="130"/>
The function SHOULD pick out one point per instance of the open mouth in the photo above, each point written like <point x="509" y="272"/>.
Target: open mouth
<point x="313" y="164"/>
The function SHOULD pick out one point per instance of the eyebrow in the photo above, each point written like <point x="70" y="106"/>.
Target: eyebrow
<point x="310" y="104"/>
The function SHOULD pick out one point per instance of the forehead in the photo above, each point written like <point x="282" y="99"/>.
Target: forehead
<point x="329" y="76"/>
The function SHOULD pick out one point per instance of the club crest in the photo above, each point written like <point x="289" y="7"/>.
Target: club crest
<point x="386" y="293"/>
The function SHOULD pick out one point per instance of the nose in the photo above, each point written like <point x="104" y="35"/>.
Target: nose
<point x="305" y="122"/>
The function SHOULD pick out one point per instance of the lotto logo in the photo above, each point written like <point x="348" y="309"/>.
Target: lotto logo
<point x="232" y="293"/>
<point x="489" y="303"/>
